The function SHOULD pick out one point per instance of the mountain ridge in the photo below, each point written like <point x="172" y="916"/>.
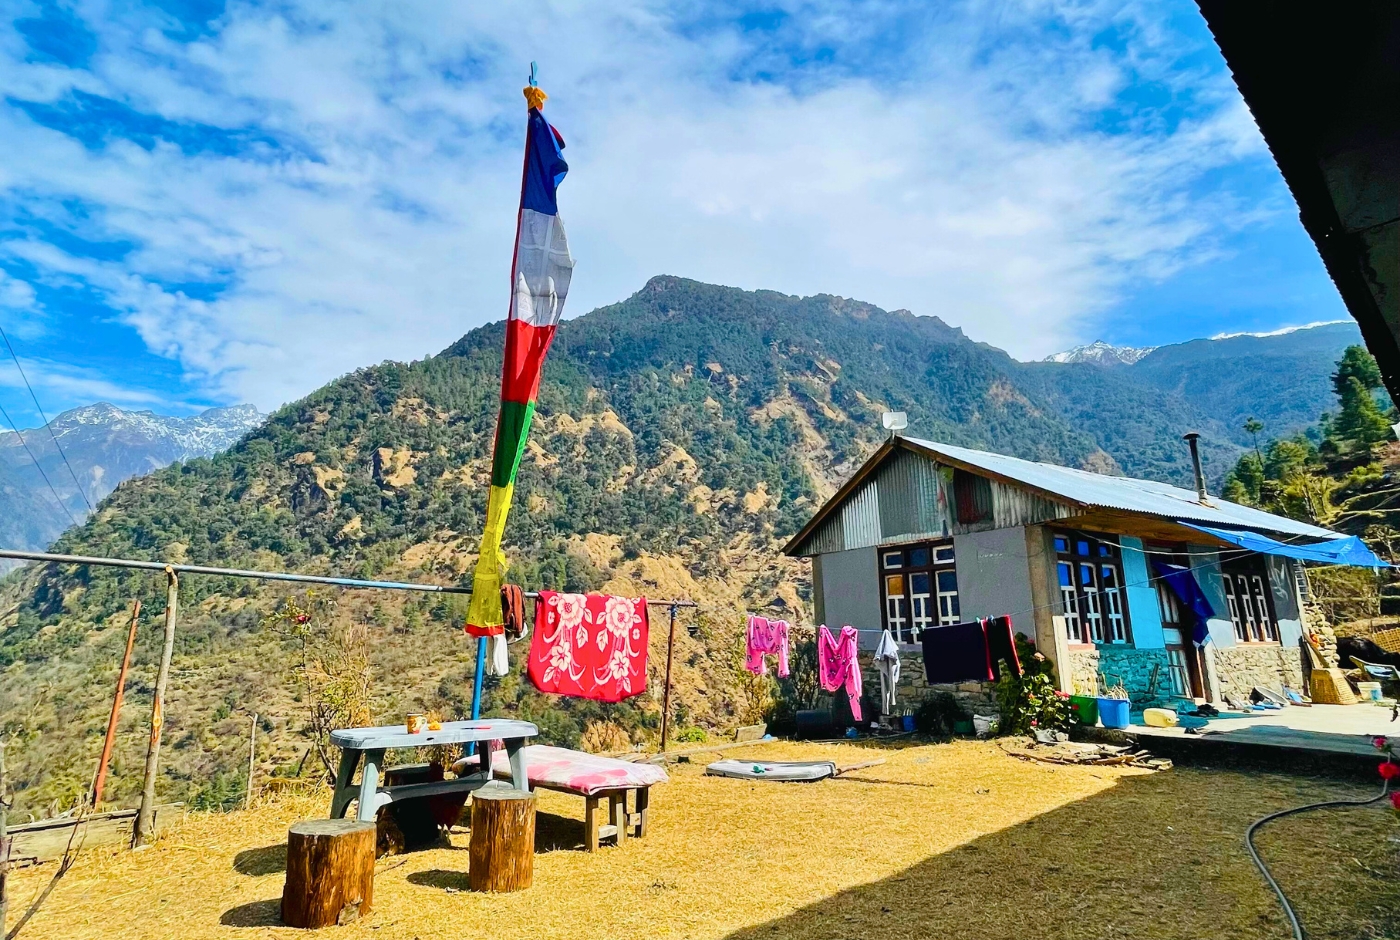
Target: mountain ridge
<point x="105" y="445"/>
<point x="681" y="435"/>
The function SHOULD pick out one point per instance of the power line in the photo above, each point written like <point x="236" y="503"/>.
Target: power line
<point x="61" y="504"/>
<point x="35" y="398"/>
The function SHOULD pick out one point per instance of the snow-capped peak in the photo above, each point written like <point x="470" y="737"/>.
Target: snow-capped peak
<point x="1101" y="353"/>
<point x="1282" y="331"/>
<point x="200" y="435"/>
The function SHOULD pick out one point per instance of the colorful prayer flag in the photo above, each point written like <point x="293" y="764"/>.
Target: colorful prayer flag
<point x="539" y="283"/>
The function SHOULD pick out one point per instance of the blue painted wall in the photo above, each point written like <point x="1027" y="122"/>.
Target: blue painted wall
<point x="1143" y="613"/>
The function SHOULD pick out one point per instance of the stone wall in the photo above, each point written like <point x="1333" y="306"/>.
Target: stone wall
<point x="1133" y="666"/>
<point x="1241" y="668"/>
<point x="1084" y="670"/>
<point x="977" y="697"/>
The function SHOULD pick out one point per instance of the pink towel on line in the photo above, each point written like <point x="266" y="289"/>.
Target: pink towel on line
<point x="838" y="664"/>
<point x="767" y="637"/>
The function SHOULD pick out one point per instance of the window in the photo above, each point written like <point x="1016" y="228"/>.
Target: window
<point x="920" y="586"/>
<point x="1090" y="574"/>
<point x="1251" y="605"/>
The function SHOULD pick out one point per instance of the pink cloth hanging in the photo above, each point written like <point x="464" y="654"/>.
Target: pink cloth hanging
<point x="767" y="637"/>
<point x="838" y="664"/>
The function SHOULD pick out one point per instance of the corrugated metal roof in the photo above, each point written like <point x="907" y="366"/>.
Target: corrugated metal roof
<point x="1124" y="493"/>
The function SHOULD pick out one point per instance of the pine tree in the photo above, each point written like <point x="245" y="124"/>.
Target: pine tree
<point x="1244" y="482"/>
<point x="1360" y="422"/>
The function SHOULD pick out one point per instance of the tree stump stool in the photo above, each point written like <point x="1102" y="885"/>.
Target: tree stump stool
<point x="502" y="856"/>
<point x="330" y="872"/>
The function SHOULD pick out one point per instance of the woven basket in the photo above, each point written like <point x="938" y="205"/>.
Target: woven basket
<point x="1330" y="687"/>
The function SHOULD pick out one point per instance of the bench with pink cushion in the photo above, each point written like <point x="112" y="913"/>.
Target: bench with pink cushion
<point x="592" y="777"/>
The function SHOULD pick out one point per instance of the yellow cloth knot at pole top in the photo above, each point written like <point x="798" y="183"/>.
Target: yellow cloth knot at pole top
<point x="534" y="96"/>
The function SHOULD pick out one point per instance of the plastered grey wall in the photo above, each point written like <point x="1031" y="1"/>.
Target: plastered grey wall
<point x="993" y="576"/>
<point x="849" y="584"/>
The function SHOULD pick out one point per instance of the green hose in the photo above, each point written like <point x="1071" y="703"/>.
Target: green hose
<point x="1298" y="932"/>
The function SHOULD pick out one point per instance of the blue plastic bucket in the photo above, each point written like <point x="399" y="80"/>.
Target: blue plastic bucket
<point x="1113" y="712"/>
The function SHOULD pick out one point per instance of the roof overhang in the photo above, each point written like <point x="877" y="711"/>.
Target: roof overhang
<point x="839" y="497"/>
<point x="1323" y="84"/>
<point x="1160" y="526"/>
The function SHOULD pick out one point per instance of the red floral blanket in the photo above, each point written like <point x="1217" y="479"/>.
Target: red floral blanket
<point x="590" y="646"/>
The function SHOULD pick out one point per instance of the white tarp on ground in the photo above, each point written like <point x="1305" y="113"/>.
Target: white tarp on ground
<point x="789" y="771"/>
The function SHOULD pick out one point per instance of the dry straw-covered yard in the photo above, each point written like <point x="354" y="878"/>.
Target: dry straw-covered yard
<point x="942" y="840"/>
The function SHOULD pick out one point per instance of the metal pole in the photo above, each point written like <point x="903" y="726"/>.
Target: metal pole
<point x="145" y="819"/>
<point x="227" y="572"/>
<point x="476" y="685"/>
<point x="262" y="575"/>
<point x="666" y="698"/>
<point x="252" y="750"/>
<point x="101" y="781"/>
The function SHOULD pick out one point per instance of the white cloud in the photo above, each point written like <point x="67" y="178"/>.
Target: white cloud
<point x="958" y="172"/>
<point x="59" y="381"/>
<point x="15" y="295"/>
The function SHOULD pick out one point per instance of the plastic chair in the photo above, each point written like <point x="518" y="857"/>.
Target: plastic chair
<point x="1382" y="671"/>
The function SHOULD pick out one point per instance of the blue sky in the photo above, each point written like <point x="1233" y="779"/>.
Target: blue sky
<point x="205" y="202"/>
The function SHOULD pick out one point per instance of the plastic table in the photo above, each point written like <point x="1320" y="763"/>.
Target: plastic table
<point x="369" y="745"/>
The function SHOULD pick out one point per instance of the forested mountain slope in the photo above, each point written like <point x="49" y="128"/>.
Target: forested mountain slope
<point x="681" y="435"/>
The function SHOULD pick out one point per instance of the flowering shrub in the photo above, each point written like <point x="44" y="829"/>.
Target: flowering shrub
<point x="1388" y="769"/>
<point x="1033" y="699"/>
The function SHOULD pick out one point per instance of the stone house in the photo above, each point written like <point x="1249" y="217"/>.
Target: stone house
<point x="927" y="535"/>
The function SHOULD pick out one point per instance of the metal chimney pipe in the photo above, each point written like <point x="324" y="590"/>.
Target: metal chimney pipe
<point x="1191" y="438"/>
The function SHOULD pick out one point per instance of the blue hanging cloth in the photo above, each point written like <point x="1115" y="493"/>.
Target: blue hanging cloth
<point x="1183" y="584"/>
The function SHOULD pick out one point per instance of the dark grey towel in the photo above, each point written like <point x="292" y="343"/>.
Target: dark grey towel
<point x="957" y="653"/>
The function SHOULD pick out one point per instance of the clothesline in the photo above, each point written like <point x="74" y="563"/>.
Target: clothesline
<point x="534" y="595"/>
<point x="1037" y="607"/>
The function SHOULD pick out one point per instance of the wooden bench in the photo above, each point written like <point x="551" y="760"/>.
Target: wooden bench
<point x="605" y="783"/>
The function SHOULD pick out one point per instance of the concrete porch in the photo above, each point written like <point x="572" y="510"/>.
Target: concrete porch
<point x="1336" y="740"/>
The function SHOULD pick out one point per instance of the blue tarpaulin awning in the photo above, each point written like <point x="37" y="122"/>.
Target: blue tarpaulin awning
<point x="1347" y="550"/>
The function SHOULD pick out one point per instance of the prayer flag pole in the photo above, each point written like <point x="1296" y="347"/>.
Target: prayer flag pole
<point x="540" y="273"/>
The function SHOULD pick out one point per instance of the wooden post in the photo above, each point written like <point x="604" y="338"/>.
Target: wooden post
<point x="141" y="833"/>
<point x="666" y="697"/>
<point x="4" y="844"/>
<point x="330" y="872"/>
<point x="101" y="781"/>
<point x="252" y="750"/>
<point x="502" y="856"/>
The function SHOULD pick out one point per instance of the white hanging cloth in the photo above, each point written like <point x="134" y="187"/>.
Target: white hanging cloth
<point x="498" y="664"/>
<point x="887" y="661"/>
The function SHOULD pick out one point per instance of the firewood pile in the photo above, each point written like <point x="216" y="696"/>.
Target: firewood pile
<point x="1078" y="752"/>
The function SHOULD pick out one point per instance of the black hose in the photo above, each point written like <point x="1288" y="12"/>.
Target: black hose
<point x="1254" y="853"/>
